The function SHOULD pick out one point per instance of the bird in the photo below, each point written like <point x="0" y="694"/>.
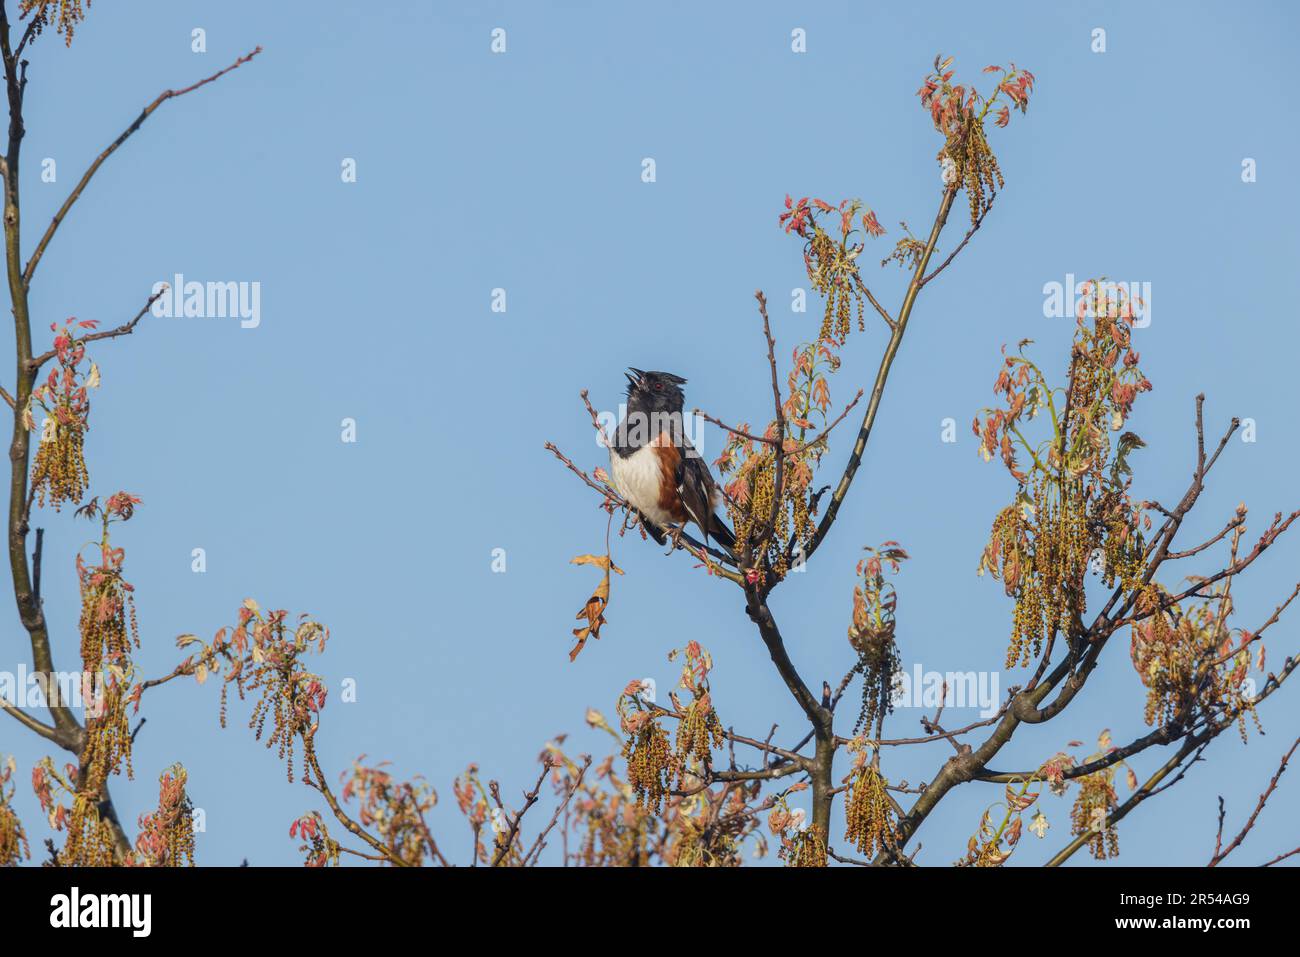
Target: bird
<point x="656" y="469"/>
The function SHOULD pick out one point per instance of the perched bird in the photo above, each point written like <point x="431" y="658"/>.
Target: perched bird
<point x="654" y="466"/>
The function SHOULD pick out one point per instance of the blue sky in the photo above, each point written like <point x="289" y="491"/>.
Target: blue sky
<point x="522" y="171"/>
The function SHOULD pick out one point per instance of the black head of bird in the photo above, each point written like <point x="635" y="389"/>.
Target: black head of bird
<point x="651" y="392"/>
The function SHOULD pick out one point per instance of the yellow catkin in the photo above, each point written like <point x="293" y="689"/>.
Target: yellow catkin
<point x="649" y="765"/>
<point x="868" y="812"/>
<point x="90" y="838"/>
<point x="698" y="733"/>
<point x="59" y="471"/>
<point x="1095" y="798"/>
<point x="806" y="848"/>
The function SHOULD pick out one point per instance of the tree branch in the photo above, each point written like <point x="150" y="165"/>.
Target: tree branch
<point x="321" y="785"/>
<point x="27" y="721"/>
<point x="979" y="221"/>
<point x="1219" y="855"/>
<point x="123" y="330"/>
<point x="530" y="798"/>
<point x="109" y="151"/>
<point x="882" y="375"/>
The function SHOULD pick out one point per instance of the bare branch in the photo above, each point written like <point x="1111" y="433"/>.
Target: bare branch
<point x="1219" y="855"/>
<point x="882" y="376"/>
<point x="767" y="628"/>
<point x="162" y="98"/>
<point x="1235" y="522"/>
<point x="734" y="431"/>
<point x="962" y="245"/>
<point x="766" y="440"/>
<point x="1281" y="857"/>
<point x="530" y="798"/>
<point x="540" y="844"/>
<point x="821" y="436"/>
<point x="322" y="785"/>
<point x="123" y="330"/>
<point x="862" y="288"/>
<point x="32" y="724"/>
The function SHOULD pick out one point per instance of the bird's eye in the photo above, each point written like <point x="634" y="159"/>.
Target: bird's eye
<point x="659" y="387"/>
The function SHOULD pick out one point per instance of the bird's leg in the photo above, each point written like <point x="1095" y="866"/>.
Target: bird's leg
<point x="675" y="534"/>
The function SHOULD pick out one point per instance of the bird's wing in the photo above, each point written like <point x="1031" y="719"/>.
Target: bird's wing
<point x="698" y="492"/>
<point x="695" y="486"/>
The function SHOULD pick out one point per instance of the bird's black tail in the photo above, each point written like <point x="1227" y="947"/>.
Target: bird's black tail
<point x="719" y="532"/>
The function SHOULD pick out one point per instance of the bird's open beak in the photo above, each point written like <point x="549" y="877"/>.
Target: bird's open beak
<point x="634" y="376"/>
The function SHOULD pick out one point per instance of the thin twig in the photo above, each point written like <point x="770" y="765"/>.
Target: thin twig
<point x="961" y="245"/>
<point x="1219" y="855"/>
<point x="530" y="798"/>
<point x="539" y="845"/>
<point x="123" y="330"/>
<point x="1281" y="857"/>
<point x="321" y="785"/>
<point x="882" y="376"/>
<point x="162" y="98"/>
<point x="32" y="724"/>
